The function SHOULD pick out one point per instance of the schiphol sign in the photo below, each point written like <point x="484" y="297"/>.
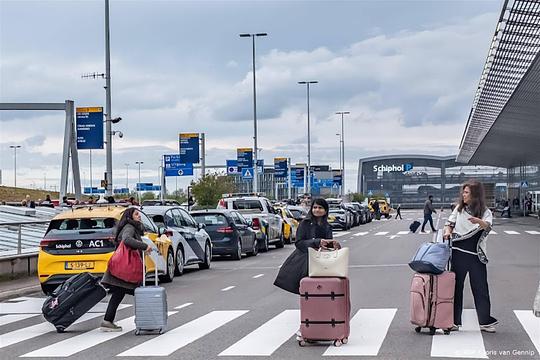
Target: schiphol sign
<point x="393" y="168"/>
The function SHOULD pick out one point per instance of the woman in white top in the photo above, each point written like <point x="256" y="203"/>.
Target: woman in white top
<point x="469" y="225"/>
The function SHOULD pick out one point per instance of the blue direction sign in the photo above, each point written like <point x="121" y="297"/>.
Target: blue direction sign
<point x="297" y="179"/>
<point x="280" y="167"/>
<point x="260" y="166"/>
<point x="247" y="173"/>
<point x="89" y="128"/>
<point x="147" y="187"/>
<point x="174" y="167"/>
<point x="189" y="148"/>
<point x="93" y="190"/>
<point x="121" y="191"/>
<point x="245" y="158"/>
<point x="232" y="167"/>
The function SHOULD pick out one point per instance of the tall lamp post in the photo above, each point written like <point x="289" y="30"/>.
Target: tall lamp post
<point x="255" y="175"/>
<point x="340" y="168"/>
<point x="342" y="113"/>
<point x="307" y="83"/>
<point x="127" y="175"/>
<point x="15" y="147"/>
<point x="139" y="163"/>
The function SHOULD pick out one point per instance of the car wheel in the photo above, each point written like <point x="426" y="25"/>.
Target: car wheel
<point x="264" y="247"/>
<point x="254" y="249"/>
<point x="169" y="276"/>
<point x="207" y="257"/>
<point x="237" y="255"/>
<point x="179" y="269"/>
<point x="281" y="243"/>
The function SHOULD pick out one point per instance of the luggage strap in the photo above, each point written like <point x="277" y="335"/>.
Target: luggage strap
<point x="332" y="295"/>
<point x="332" y="322"/>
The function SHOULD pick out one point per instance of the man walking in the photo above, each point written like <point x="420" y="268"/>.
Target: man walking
<point x="398" y="212"/>
<point x="428" y="210"/>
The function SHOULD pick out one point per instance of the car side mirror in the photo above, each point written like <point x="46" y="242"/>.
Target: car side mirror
<point x="161" y="230"/>
<point x="201" y="226"/>
<point x="250" y="223"/>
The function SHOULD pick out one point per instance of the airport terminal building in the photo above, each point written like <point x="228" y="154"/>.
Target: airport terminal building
<point x="409" y="179"/>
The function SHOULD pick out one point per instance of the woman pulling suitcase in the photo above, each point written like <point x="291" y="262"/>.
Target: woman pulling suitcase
<point x="468" y="225"/>
<point x="129" y="231"/>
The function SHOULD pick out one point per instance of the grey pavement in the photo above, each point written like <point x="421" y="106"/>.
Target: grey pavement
<point x="234" y="310"/>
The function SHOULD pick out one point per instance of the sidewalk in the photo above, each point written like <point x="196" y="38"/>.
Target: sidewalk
<point x="19" y="287"/>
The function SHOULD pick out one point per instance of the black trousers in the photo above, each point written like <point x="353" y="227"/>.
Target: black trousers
<point x="399" y="214"/>
<point x="117" y="295"/>
<point x="428" y="217"/>
<point x="463" y="263"/>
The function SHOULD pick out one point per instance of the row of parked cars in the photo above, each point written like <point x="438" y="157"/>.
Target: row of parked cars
<point x="344" y="215"/>
<point x="82" y="238"/>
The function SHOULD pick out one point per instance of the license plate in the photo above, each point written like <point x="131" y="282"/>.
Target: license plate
<point x="79" y="265"/>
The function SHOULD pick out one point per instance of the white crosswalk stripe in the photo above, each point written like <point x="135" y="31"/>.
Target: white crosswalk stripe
<point x="11" y="318"/>
<point x="266" y="339"/>
<point x="368" y="331"/>
<point x="533" y="232"/>
<point x="381" y="233"/>
<point x="465" y="343"/>
<point x="511" y="232"/>
<point x="177" y="338"/>
<point x="531" y="324"/>
<point x="361" y="233"/>
<point x="403" y="232"/>
<point x="340" y="234"/>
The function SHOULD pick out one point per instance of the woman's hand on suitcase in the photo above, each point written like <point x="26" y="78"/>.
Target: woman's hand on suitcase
<point x="148" y="249"/>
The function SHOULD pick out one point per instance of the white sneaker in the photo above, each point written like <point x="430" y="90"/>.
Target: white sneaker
<point x="107" y="326"/>
<point x="488" y="328"/>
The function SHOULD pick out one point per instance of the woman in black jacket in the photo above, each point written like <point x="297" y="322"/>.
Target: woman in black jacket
<point x="130" y="231"/>
<point x="314" y="231"/>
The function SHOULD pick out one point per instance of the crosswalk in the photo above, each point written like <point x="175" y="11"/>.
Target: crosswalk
<point x="369" y="330"/>
<point x="399" y="234"/>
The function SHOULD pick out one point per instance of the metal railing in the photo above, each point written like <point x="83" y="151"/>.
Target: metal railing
<point x="21" y="238"/>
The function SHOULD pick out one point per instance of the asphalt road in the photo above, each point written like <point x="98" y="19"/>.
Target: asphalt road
<point x="233" y="311"/>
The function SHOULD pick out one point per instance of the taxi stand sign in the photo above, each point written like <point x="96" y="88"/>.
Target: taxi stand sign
<point x="189" y="148"/>
<point x="89" y="126"/>
<point x="173" y="166"/>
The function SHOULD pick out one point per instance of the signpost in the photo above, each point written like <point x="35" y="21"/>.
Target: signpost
<point x="297" y="178"/>
<point x="147" y="187"/>
<point x="247" y="173"/>
<point x="174" y="166"/>
<point x="280" y="167"/>
<point x="189" y="148"/>
<point x="232" y="167"/>
<point x="89" y="128"/>
<point x="244" y="158"/>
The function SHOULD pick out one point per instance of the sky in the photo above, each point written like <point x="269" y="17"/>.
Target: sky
<point x="406" y="70"/>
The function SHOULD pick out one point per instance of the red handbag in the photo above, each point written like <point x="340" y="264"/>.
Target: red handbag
<point x="126" y="264"/>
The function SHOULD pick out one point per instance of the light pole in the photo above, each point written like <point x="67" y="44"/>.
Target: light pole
<point x="108" y="115"/>
<point x="307" y="83"/>
<point x="15" y="147"/>
<point x="139" y="163"/>
<point x="340" y="168"/>
<point x="255" y="176"/>
<point x="342" y="113"/>
<point x="127" y="175"/>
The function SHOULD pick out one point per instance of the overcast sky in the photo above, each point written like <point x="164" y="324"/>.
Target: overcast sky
<point x="406" y="70"/>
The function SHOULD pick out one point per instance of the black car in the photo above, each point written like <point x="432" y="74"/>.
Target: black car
<point x="356" y="214"/>
<point x="230" y="232"/>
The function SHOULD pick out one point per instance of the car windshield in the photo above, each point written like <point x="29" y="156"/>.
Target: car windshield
<point x="247" y="205"/>
<point x="210" y="219"/>
<point x="63" y="225"/>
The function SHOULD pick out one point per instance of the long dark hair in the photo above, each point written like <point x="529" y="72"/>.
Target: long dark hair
<point x="477" y="204"/>
<point x="127" y="218"/>
<point x="324" y="204"/>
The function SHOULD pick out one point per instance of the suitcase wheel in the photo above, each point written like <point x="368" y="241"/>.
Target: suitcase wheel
<point x="60" y="330"/>
<point x="137" y="332"/>
<point x="302" y="343"/>
<point x="161" y="331"/>
<point x="338" y="343"/>
<point x="432" y="330"/>
<point x="345" y="340"/>
<point x="417" y="329"/>
<point x="447" y="332"/>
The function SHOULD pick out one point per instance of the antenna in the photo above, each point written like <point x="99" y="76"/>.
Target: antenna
<point x="93" y="75"/>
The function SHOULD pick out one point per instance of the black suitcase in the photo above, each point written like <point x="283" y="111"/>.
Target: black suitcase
<point x="414" y="226"/>
<point x="72" y="299"/>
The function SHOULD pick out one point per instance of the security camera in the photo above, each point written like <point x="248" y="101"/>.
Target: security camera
<point x="116" y="120"/>
<point x="120" y="134"/>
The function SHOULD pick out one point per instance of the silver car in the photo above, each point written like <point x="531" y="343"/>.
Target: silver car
<point x="191" y="243"/>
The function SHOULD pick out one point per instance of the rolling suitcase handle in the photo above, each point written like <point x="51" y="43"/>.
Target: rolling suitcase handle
<point x="144" y="270"/>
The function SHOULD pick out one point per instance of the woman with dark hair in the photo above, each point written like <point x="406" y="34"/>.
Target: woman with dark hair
<point x="130" y="231"/>
<point x="314" y="231"/>
<point x="469" y="225"/>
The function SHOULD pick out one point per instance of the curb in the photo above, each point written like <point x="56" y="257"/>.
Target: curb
<point x="6" y="295"/>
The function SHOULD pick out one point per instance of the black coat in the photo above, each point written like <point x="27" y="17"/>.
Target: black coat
<point x="295" y="268"/>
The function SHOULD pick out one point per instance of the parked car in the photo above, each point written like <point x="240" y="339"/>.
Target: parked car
<point x="82" y="240"/>
<point x="384" y="207"/>
<point x="230" y="232"/>
<point x="164" y="202"/>
<point x="299" y="212"/>
<point x="356" y="215"/>
<point x="334" y="203"/>
<point x="290" y="224"/>
<point x="259" y="211"/>
<point x="191" y="243"/>
<point x="366" y="214"/>
<point x="340" y="219"/>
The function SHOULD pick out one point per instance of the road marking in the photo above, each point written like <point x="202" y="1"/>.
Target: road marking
<point x="492" y="232"/>
<point x="8" y="319"/>
<point x="531" y="324"/>
<point x="177" y="338"/>
<point x="532" y="232"/>
<point x="393" y="236"/>
<point x="403" y="232"/>
<point x="228" y="288"/>
<point x="34" y="305"/>
<point x="511" y="232"/>
<point x="183" y="306"/>
<point x="258" y="276"/>
<point x="85" y="341"/>
<point x="339" y="234"/>
<point x="267" y="338"/>
<point x="382" y="233"/>
<point x="361" y="233"/>
<point x="465" y="343"/>
<point x="368" y="331"/>
<point x="30" y="332"/>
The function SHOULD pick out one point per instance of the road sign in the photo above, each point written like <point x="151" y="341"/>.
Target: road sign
<point x="89" y="128"/>
<point x="297" y="178"/>
<point x="232" y="167"/>
<point x="260" y="166"/>
<point x="244" y="158"/>
<point x="174" y="167"/>
<point x="93" y="190"/>
<point x="189" y="148"/>
<point x="280" y="167"/>
<point x="247" y="173"/>
<point x="524" y="184"/>
<point x="147" y="187"/>
<point x="370" y="193"/>
<point x="121" y="191"/>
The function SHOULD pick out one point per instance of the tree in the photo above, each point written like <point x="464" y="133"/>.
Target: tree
<point x="148" y="196"/>
<point x="357" y="197"/>
<point x="209" y="189"/>
<point x="178" y="195"/>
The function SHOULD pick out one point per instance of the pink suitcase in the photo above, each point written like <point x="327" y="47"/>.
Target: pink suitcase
<point x="325" y="309"/>
<point x="432" y="301"/>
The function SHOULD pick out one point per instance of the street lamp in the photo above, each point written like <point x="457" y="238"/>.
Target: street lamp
<point x="307" y="83"/>
<point x="255" y="176"/>
<point x="139" y="163"/>
<point x="15" y="147"/>
<point x="127" y="175"/>
<point x="339" y="135"/>
<point x="342" y="113"/>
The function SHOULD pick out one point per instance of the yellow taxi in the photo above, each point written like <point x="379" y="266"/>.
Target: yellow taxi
<point x="82" y="240"/>
<point x="384" y="207"/>
<point x="290" y="224"/>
